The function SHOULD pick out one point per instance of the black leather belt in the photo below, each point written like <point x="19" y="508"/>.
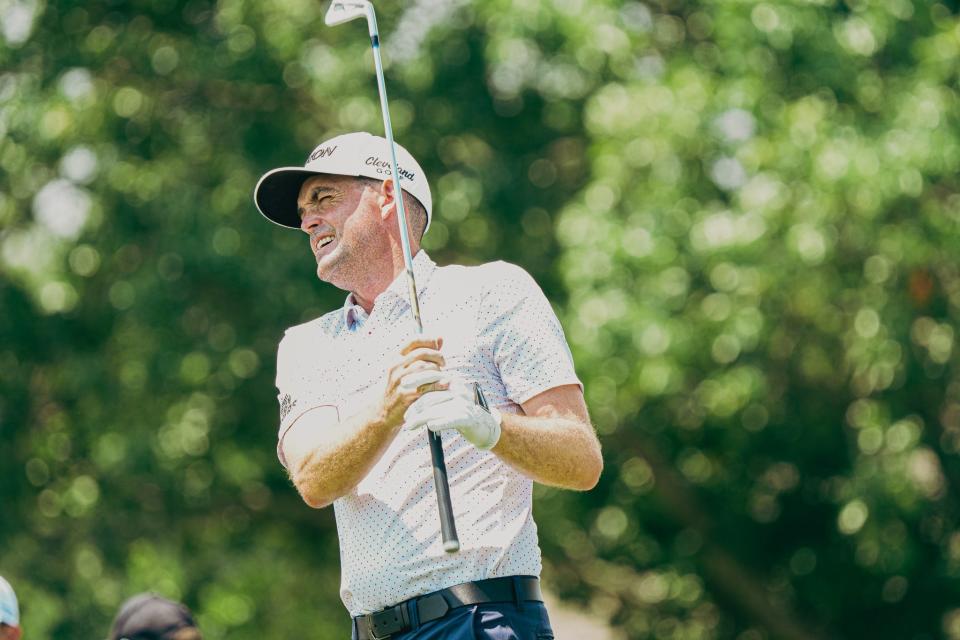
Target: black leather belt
<point x="433" y="606"/>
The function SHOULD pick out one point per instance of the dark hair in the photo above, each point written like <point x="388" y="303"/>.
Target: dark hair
<point x="416" y="214"/>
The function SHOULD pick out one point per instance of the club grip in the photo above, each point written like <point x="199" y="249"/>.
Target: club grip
<point x="448" y="528"/>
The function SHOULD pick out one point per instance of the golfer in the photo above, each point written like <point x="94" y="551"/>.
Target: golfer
<point x="357" y="387"/>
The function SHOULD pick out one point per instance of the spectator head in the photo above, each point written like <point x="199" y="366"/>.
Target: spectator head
<point x="9" y="612"/>
<point x="147" y="616"/>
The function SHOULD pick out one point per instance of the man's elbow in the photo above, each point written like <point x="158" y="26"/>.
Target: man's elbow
<point x="590" y="468"/>
<point x="591" y="464"/>
<point x="590" y="475"/>
<point x="315" y="500"/>
<point x="306" y="485"/>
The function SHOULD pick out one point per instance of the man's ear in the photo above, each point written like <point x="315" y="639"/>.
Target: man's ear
<point x="387" y="198"/>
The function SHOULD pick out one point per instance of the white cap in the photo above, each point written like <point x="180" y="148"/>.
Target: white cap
<point x="9" y="611"/>
<point x="351" y="154"/>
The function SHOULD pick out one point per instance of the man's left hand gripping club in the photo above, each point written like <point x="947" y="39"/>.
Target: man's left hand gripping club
<point x="456" y="408"/>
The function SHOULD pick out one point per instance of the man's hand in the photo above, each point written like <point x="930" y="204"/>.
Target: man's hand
<point x="418" y="372"/>
<point x="328" y="456"/>
<point x="456" y="408"/>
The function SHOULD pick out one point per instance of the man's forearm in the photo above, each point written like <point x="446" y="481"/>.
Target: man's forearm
<point x="557" y="451"/>
<point x="353" y="447"/>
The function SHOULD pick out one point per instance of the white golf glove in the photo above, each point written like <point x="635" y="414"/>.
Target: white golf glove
<point x="456" y="408"/>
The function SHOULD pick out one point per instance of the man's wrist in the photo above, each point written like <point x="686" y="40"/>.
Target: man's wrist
<point x="384" y="419"/>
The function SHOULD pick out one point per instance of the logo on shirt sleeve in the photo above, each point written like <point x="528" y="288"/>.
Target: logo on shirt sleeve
<point x="287" y="403"/>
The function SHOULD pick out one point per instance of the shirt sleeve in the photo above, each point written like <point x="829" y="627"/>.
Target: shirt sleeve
<point x="296" y="393"/>
<point x="518" y="325"/>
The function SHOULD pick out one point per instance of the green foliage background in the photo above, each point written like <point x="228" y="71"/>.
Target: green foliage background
<point x="746" y="213"/>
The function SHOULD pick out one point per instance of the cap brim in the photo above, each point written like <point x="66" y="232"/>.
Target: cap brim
<point x="276" y="195"/>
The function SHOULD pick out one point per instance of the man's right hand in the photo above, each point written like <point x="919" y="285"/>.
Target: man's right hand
<point x="419" y="371"/>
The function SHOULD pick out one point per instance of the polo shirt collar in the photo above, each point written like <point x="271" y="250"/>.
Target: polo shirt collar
<point x="423" y="268"/>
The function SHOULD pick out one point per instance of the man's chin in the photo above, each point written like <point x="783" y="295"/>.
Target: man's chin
<point x="328" y="272"/>
<point x="324" y="272"/>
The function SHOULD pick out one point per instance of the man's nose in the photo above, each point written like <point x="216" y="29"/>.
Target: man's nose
<point x="309" y="222"/>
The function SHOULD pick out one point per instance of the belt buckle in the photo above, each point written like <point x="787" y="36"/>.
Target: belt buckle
<point x="384" y="624"/>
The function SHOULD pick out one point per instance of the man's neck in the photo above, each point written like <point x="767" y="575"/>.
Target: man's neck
<point x="366" y="302"/>
<point x="366" y="296"/>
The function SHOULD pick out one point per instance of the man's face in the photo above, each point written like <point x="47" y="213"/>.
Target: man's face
<point x="9" y="633"/>
<point x="341" y="216"/>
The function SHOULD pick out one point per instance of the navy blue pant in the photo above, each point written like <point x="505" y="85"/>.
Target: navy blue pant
<point x="498" y="621"/>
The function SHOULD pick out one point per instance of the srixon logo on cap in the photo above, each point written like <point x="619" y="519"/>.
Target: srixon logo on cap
<point x="321" y="152"/>
<point x="384" y="167"/>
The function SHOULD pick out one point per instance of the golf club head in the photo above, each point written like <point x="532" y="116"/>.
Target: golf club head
<point x="341" y="11"/>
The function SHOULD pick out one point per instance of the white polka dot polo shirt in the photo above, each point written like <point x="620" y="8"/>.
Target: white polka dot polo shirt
<point x="498" y="330"/>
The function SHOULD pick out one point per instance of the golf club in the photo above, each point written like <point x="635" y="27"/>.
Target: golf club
<point x="341" y="11"/>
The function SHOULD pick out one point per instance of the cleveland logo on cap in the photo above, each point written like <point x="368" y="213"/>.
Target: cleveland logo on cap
<point x="321" y="152"/>
<point x="384" y="167"/>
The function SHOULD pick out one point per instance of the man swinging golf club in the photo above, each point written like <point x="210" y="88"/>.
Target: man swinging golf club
<point x="359" y="385"/>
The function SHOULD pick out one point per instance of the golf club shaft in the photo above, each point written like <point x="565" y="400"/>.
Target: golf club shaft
<point x="448" y="528"/>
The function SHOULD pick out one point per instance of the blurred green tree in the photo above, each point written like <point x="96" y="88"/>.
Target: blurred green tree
<point x="747" y="214"/>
